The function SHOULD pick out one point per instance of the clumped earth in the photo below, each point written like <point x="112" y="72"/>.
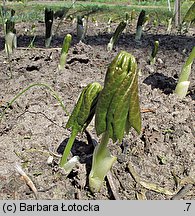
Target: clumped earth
<point x="34" y="126"/>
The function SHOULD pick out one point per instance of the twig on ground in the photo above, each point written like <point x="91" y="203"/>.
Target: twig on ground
<point x="182" y="192"/>
<point x="148" y="185"/>
<point x="27" y="180"/>
<point x="112" y="186"/>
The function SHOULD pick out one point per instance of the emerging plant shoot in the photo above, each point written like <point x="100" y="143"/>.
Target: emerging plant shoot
<point x="154" y="52"/>
<point x="48" y="26"/>
<point x="10" y="37"/>
<point x="80" y="28"/>
<point x="64" y="51"/>
<point x="116" y="35"/>
<point x="81" y="116"/>
<point x="117" y="111"/>
<point x="183" y="82"/>
<point x="140" y="22"/>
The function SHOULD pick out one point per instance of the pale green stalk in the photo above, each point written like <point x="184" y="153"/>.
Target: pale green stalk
<point x="68" y="147"/>
<point x="64" y="51"/>
<point x="183" y="82"/>
<point x="31" y="45"/>
<point x="169" y="25"/>
<point x="80" y="28"/>
<point x="109" y="25"/>
<point x="10" y="38"/>
<point x="102" y="162"/>
<point x="154" y="52"/>
<point x="116" y="35"/>
<point x="140" y="23"/>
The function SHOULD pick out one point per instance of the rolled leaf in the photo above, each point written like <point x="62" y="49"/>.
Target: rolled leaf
<point x="117" y="110"/>
<point x="85" y="108"/>
<point x="140" y="22"/>
<point x="81" y="116"/>
<point x="190" y="15"/>
<point x="154" y="52"/>
<point x="64" y="51"/>
<point x="116" y="35"/>
<point x="118" y="103"/>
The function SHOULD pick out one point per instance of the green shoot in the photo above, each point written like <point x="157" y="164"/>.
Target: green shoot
<point x="29" y="87"/>
<point x="154" y="52"/>
<point x="190" y="15"/>
<point x="146" y="21"/>
<point x="117" y="111"/>
<point x="169" y="25"/>
<point x="188" y="19"/>
<point x="94" y="20"/>
<point x="116" y="35"/>
<point x="48" y="26"/>
<point x="80" y="28"/>
<point x="101" y="164"/>
<point x="9" y="33"/>
<point x="109" y="25"/>
<point x="10" y="37"/>
<point x="127" y="19"/>
<point x="140" y="23"/>
<point x="81" y="116"/>
<point x="183" y="82"/>
<point x="64" y="51"/>
<point x="133" y="14"/>
<point x="10" y="43"/>
<point x="31" y="45"/>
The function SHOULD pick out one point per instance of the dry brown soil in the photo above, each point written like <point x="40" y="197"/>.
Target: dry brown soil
<point x="163" y="154"/>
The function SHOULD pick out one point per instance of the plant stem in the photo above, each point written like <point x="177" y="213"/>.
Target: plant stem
<point x="68" y="148"/>
<point x="101" y="164"/>
<point x="6" y="45"/>
<point x="103" y="145"/>
<point x="29" y="87"/>
<point x="186" y="70"/>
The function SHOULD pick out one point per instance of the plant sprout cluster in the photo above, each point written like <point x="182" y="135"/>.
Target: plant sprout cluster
<point x="115" y="105"/>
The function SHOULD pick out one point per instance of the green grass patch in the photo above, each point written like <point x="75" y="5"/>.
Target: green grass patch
<point x="31" y="11"/>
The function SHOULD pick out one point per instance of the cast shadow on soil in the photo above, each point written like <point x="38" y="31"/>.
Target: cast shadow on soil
<point x="79" y="148"/>
<point x="166" y="84"/>
<point x="167" y="42"/>
<point x="178" y="43"/>
<point x="162" y="82"/>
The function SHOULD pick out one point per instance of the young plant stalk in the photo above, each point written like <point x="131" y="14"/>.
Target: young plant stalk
<point x="10" y="34"/>
<point x="109" y="25"/>
<point x="48" y="26"/>
<point x="81" y="116"/>
<point x="140" y="22"/>
<point x="31" y="45"/>
<point x="183" y="82"/>
<point x="116" y="35"/>
<point x="80" y="28"/>
<point x="154" y="52"/>
<point x="190" y="15"/>
<point x="101" y="164"/>
<point x="64" y="51"/>
<point x="117" y="111"/>
<point x="10" y="37"/>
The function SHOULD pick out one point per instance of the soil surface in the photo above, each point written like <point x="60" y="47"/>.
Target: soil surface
<point x="34" y="126"/>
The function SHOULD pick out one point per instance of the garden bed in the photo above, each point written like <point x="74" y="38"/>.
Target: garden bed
<point x="34" y="125"/>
